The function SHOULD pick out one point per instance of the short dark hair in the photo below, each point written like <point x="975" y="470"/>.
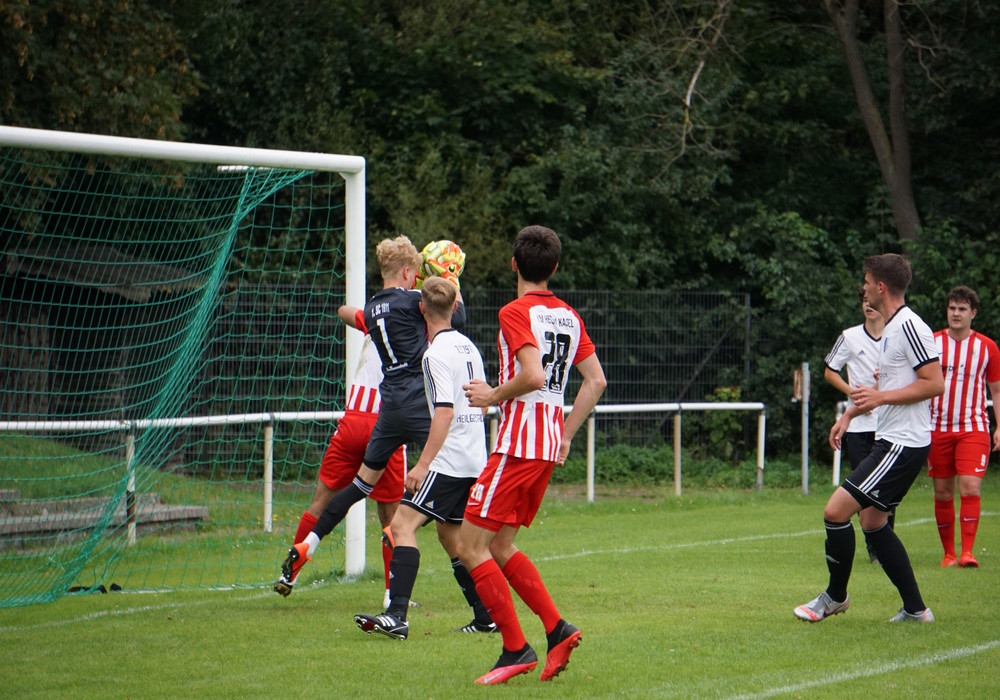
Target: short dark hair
<point x="860" y="294"/>
<point x="438" y="295"/>
<point x="891" y="269"/>
<point x="536" y="252"/>
<point x="963" y="293"/>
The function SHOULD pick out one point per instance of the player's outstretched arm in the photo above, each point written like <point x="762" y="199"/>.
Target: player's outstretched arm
<point x="349" y="315"/>
<point x="586" y="399"/>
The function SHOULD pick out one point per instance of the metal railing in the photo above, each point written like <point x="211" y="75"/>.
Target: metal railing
<point x="355" y="521"/>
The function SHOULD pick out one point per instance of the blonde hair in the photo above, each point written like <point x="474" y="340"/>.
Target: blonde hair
<point x="394" y="254"/>
<point x="438" y="295"/>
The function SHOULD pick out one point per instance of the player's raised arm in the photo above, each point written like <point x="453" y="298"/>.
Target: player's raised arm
<point x="350" y="315"/>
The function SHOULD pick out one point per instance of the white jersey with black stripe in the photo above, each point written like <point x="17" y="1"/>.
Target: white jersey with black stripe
<point x="451" y="361"/>
<point x="907" y="345"/>
<point x="859" y="352"/>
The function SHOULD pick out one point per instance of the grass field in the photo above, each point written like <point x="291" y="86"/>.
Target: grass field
<point x="676" y="597"/>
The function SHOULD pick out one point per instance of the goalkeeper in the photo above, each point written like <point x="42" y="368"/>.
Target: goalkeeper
<point x="399" y="331"/>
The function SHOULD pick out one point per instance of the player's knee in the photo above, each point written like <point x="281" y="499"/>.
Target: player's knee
<point x="872" y="519"/>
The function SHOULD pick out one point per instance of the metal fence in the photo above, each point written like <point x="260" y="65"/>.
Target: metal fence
<point x="655" y="347"/>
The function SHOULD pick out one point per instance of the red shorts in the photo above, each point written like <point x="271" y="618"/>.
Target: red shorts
<point x="345" y="454"/>
<point x="966" y="453"/>
<point x="508" y="492"/>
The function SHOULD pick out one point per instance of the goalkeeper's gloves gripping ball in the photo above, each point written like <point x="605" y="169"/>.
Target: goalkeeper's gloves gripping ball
<point x="444" y="259"/>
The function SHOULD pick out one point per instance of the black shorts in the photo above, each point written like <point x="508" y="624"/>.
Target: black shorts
<point x="441" y="497"/>
<point x="886" y="474"/>
<point x="858" y="445"/>
<point x="396" y="427"/>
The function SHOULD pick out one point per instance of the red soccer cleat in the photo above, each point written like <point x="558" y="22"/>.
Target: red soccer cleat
<point x="298" y="555"/>
<point x="558" y="657"/>
<point x="968" y="560"/>
<point x="509" y="665"/>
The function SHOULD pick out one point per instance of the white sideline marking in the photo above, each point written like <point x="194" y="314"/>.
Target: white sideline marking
<point x="710" y="543"/>
<point x="869" y="671"/>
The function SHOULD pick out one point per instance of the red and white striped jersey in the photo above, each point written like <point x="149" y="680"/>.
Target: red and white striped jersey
<point x="531" y="425"/>
<point x="363" y="394"/>
<point x="968" y="366"/>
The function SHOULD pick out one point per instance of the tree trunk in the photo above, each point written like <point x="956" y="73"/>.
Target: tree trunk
<point x="892" y="148"/>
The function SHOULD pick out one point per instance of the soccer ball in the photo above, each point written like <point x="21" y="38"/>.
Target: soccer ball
<point x="443" y="258"/>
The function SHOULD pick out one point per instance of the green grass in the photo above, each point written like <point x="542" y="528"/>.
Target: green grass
<point x="677" y="598"/>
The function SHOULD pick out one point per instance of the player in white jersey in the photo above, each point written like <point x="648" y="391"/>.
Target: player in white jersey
<point x="454" y="455"/>
<point x="857" y="349"/>
<point x="960" y="425"/>
<point x="909" y="376"/>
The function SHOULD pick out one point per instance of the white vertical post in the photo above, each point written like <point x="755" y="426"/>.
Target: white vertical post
<point x="805" y="427"/>
<point x="268" y="475"/>
<point x="130" y="504"/>
<point x="677" y="453"/>
<point x="591" y="429"/>
<point x="761" y="424"/>
<point x="354" y="279"/>
<point x="837" y="454"/>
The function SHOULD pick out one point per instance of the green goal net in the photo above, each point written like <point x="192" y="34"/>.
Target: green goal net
<point x="170" y="356"/>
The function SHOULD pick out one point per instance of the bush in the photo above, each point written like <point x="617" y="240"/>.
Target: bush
<point x="622" y="465"/>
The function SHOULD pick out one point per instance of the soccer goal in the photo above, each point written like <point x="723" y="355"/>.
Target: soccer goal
<point x="171" y="359"/>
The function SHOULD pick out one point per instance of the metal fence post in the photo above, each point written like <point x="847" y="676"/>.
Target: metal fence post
<point x="677" y="453"/>
<point x="761" y="426"/>
<point x="591" y="454"/>
<point x="805" y="427"/>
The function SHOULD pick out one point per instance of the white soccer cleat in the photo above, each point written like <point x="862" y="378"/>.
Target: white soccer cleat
<point x="924" y="615"/>
<point x="821" y="606"/>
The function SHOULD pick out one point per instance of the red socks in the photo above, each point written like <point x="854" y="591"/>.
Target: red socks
<point x="969" y="516"/>
<point x="527" y="583"/>
<point x="306" y="524"/>
<point x="944" y="514"/>
<point x="387" y="545"/>
<point x="495" y="593"/>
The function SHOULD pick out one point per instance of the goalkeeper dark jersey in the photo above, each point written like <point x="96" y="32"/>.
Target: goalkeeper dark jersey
<point x="400" y="334"/>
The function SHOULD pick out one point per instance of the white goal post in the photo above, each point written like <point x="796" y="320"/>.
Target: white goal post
<point x="350" y="168"/>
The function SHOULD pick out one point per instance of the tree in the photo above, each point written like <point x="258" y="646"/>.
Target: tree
<point x="892" y="147"/>
<point x="93" y="66"/>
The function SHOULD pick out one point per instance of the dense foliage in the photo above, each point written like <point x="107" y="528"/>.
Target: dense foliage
<point x="696" y="144"/>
